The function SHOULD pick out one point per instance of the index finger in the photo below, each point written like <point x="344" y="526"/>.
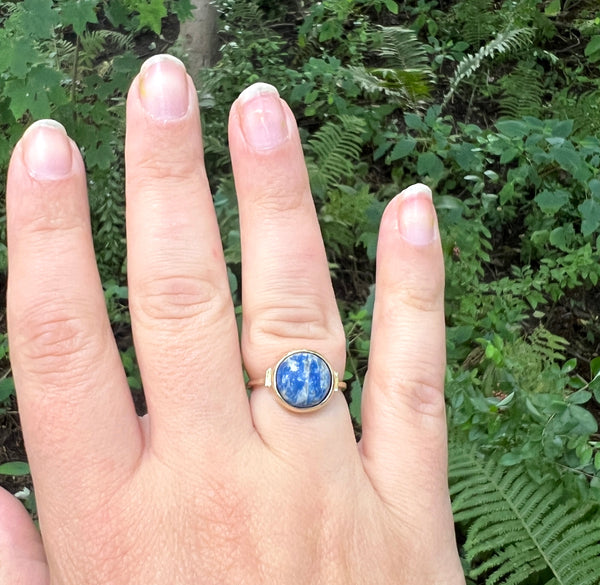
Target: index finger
<point x="76" y="409"/>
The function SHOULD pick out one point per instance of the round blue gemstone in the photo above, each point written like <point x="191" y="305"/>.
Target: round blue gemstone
<point x="303" y="379"/>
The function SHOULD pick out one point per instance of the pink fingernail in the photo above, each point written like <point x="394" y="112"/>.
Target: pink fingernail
<point x="416" y="216"/>
<point x="262" y="117"/>
<point x="47" y="150"/>
<point x="163" y="88"/>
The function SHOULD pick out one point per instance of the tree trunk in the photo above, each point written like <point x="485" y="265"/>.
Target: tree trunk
<point x="199" y="36"/>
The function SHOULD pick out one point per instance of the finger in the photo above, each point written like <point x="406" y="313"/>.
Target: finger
<point x="404" y="426"/>
<point x="288" y="298"/>
<point x="76" y="409"/>
<point x="182" y="313"/>
<point x="22" y="558"/>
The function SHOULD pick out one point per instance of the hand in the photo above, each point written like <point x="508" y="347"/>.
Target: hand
<point x="210" y="487"/>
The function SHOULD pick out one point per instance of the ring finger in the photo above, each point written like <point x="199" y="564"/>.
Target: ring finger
<point x="288" y="298"/>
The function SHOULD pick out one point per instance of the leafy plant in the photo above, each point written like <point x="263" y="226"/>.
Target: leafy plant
<point x="503" y="43"/>
<point x="520" y="526"/>
<point x="336" y="149"/>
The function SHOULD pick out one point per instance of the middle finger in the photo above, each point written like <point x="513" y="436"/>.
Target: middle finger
<point x="182" y="312"/>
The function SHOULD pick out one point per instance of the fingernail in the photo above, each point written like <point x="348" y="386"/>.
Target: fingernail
<point x="163" y="88"/>
<point x="262" y="117"/>
<point x="416" y="217"/>
<point x="47" y="150"/>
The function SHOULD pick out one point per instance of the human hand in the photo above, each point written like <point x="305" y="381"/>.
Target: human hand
<point x="210" y="487"/>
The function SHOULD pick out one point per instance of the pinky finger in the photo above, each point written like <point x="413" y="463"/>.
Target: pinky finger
<point x="22" y="558"/>
<point x="404" y="426"/>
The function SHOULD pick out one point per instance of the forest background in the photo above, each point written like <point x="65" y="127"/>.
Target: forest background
<point x="495" y="105"/>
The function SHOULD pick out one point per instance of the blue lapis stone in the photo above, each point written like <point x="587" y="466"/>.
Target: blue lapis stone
<point x="303" y="379"/>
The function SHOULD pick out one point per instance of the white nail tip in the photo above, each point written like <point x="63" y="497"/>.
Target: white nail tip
<point x="46" y="123"/>
<point x="255" y="90"/>
<point x="161" y="58"/>
<point x="415" y="190"/>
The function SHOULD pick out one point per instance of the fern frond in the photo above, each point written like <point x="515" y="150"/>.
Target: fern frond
<point x="522" y="91"/>
<point x="336" y="148"/>
<point x="548" y="345"/>
<point x="504" y="42"/>
<point x="404" y="87"/>
<point x="477" y="20"/>
<point x="93" y="44"/>
<point x="60" y="50"/>
<point x="406" y="76"/>
<point x="584" y="109"/>
<point x="402" y="50"/>
<point x="518" y="527"/>
<point x="246" y="15"/>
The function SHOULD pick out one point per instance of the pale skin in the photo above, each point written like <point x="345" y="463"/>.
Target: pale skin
<point x="210" y="487"/>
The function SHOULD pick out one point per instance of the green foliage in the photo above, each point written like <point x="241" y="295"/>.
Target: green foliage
<point x="59" y="61"/>
<point x="14" y="468"/>
<point x="406" y="75"/>
<point x="336" y="149"/>
<point x="522" y="91"/>
<point x="521" y="525"/>
<point x="504" y="42"/>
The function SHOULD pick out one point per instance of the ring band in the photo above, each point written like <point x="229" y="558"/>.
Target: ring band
<point x="303" y="380"/>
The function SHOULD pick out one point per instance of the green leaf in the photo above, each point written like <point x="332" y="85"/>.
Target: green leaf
<point x="553" y="9"/>
<point x="34" y="94"/>
<point x="512" y="128"/>
<point x="563" y="128"/>
<point x="594" y="186"/>
<point x="592" y="49"/>
<point x="40" y="18"/>
<point x="23" y="55"/>
<point x="14" y="468"/>
<point x="183" y="9"/>
<point x="429" y="164"/>
<point x="413" y="121"/>
<point x="7" y="388"/>
<point x="151" y="14"/>
<point x="402" y="148"/>
<point x="117" y="13"/>
<point x="586" y="423"/>
<point x="595" y="366"/>
<point x="466" y="157"/>
<point x="510" y="459"/>
<point x="78" y="13"/>
<point x="562" y="236"/>
<point x="590" y="215"/>
<point x="391" y="6"/>
<point x="509" y="154"/>
<point x="580" y="397"/>
<point x="355" y="400"/>
<point x="567" y="158"/>
<point x="551" y="201"/>
<point x="331" y="29"/>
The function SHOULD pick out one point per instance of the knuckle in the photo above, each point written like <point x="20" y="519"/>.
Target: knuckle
<point x="300" y="321"/>
<point x="54" y="339"/>
<point x="422" y="296"/>
<point x="281" y="193"/>
<point x="154" y="168"/>
<point x="176" y="298"/>
<point x="422" y="395"/>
